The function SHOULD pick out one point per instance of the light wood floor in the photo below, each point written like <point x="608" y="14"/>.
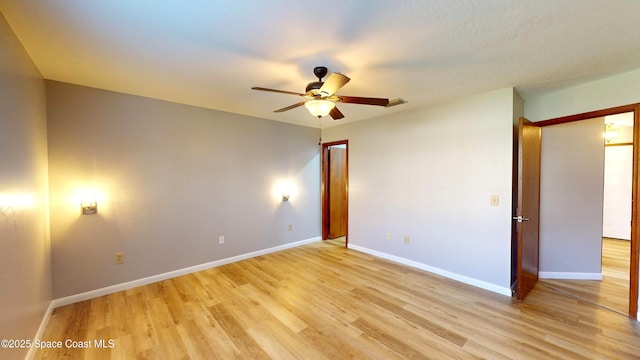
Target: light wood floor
<point x="613" y="291"/>
<point x="342" y="241"/>
<point x="322" y="301"/>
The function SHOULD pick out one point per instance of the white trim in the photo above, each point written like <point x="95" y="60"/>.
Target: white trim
<point x="171" y="274"/>
<point x="465" y="279"/>
<point x="569" y="275"/>
<point x="43" y="325"/>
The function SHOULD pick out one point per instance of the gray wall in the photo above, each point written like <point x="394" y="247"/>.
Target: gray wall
<point x="25" y="277"/>
<point x="429" y="174"/>
<point x="169" y="180"/>
<point x="571" y="199"/>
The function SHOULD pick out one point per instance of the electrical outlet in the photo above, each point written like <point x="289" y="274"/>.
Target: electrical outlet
<point x="290" y="227"/>
<point x="221" y="239"/>
<point x="388" y="236"/>
<point x="406" y="239"/>
<point x="119" y="258"/>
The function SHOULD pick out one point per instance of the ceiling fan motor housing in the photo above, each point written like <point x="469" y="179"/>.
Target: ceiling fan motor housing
<point x="319" y="72"/>
<point x="316" y="85"/>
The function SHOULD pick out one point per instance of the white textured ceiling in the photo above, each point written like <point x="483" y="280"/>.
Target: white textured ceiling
<point x="210" y="53"/>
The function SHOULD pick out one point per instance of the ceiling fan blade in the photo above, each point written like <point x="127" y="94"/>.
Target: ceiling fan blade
<point x="333" y="83"/>
<point x="363" y="100"/>
<point x="336" y="114"/>
<point x="277" y="91"/>
<point x="291" y="107"/>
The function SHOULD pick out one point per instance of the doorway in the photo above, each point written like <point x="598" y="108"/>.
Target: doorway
<point x="595" y="180"/>
<point x="598" y="291"/>
<point x="616" y="220"/>
<point x="335" y="191"/>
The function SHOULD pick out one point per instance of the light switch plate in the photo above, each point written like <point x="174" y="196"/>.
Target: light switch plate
<point x="494" y="200"/>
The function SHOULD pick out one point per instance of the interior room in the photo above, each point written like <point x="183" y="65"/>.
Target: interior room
<point x="165" y="181"/>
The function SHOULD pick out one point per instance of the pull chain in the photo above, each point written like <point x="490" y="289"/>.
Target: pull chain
<point x="320" y="139"/>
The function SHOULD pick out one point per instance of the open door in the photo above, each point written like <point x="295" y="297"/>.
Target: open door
<point x="335" y="190"/>
<point x="528" y="207"/>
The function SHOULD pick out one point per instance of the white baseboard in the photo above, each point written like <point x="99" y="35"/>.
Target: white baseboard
<point x="464" y="279"/>
<point x="171" y="274"/>
<point x="43" y="325"/>
<point x="569" y="275"/>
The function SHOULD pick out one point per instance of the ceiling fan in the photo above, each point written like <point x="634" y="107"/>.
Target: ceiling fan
<point x="321" y="95"/>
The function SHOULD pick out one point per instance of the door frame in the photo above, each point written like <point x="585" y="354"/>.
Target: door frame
<point x="324" y="188"/>
<point x="635" y="190"/>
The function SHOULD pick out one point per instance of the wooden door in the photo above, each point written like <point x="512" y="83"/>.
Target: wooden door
<point x="528" y="208"/>
<point x="337" y="192"/>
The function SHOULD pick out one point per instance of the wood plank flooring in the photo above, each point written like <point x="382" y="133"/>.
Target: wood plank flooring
<point x="613" y="291"/>
<point x="322" y="301"/>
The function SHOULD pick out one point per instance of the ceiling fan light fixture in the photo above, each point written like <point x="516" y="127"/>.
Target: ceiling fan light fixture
<point x="319" y="108"/>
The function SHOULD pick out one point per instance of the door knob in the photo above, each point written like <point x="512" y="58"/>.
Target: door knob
<point x="521" y="218"/>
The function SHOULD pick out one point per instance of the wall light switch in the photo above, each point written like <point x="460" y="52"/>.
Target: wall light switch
<point x="494" y="200"/>
<point x="388" y="236"/>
